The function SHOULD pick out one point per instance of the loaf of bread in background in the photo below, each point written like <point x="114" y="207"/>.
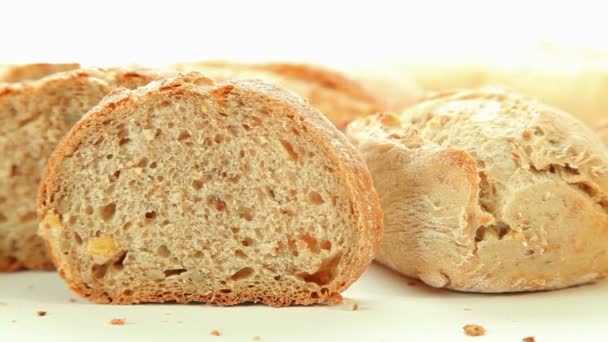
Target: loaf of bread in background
<point x="340" y="98"/>
<point x="26" y="72"/>
<point x="34" y="116"/>
<point x="191" y="190"/>
<point x="489" y="191"/>
<point x="578" y="88"/>
<point x="603" y="132"/>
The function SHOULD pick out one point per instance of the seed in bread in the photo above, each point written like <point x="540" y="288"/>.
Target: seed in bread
<point x="34" y="116"/>
<point x="340" y="98"/>
<point x="489" y="191"/>
<point x="225" y="193"/>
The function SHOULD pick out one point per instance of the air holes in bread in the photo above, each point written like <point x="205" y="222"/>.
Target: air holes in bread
<point x="176" y="272"/>
<point x="291" y="152"/>
<point x="242" y="274"/>
<point x="107" y="211"/>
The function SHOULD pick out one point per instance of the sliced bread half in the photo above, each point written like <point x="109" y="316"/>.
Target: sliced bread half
<point x="225" y="193"/>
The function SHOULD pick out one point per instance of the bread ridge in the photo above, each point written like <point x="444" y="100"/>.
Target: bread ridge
<point x="27" y="72"/>
<point x="347" y="159"/>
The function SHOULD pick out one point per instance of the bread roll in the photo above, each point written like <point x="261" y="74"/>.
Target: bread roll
<point x="34" y="116"/>
<point x="224" y="193"/>
<point x="579" y="89"/>
<point x="341" y="99"/>
<point x="603" y="133"/>
<point x="489" y="191"/>
<point x="28" y="72"/>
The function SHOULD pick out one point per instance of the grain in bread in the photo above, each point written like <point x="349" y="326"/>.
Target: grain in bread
<point x="489" y="191"/>
<point x="34" y="116"/>
<point x="188" y="190"/>
<point x="340" y="98"/>
<point x="28" y="72"/>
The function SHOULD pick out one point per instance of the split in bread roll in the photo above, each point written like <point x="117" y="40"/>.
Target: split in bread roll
<point x="34" y="116"/>
<point x="340" y="98"/>
<point x="488" y="191"/>
<point x="28" y="72"/>
<point x="224" y="193"/>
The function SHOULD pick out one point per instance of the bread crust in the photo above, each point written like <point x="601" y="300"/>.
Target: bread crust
<point x="56" y="100"/>
<point x="349" y="163"/>
<point x="340" y="98"/>
<point x="30" y="72"/>
<point x="489" y="191"/>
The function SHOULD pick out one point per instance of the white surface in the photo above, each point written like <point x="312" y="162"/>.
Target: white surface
<point x="389" y="310"/>
<point x="336" y="32"/>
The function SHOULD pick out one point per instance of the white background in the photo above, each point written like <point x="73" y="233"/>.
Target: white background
<point x="338" y="32"/>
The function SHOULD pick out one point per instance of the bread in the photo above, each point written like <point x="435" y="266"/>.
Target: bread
<point x="34" y="116"/>
<point x="488" y="191"/>
<point x="576" y="88"/>
<point x="341" y="99"/>
<point x="225" y="193"/>
<point x="28" y="72"/>
<point x="603" y="132"/>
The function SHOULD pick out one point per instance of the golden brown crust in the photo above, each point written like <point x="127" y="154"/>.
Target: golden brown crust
<point x="364" y="200"/>
<point x="29" y="72"/>
<point x="341" y="99"/>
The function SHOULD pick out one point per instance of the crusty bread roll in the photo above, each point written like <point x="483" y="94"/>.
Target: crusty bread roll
<point x="27" y="72"/>
<point x="340" y="98"/>
<point x="34" y="116"/>
<point x="579" y="89"/>
<point x="488" y="191"/>
<point x="603" y="132"/>
<point x="223" y="193"/>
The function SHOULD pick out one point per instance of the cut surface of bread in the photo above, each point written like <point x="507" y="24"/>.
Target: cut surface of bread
<point x="225" y="193"/>
<point x="340" y="98"/>
<point x="489" y="191"/>
<point x="34" y="116"/>
<point x="603" y="132"/>
<point x="29" y="72"/>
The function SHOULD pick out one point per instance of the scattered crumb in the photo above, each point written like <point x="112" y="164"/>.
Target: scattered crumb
<point x="72" y="300"/>
<point x="41" y="313"/>
<point x="350" y="304"/>
<point x="179" y="322"/>
<point x="468" y="309"/>
<point x="474" y="330"/>
<point x="354" y="307"/>
<point x="29" y="287"/>
<point x="411" y="283"/>
<point x="528" y="339"/>
<point x="216" y="333"/>
<point x="257" y="338"/>
<point x="118" y="321"/>
<point x="13" y="321"/>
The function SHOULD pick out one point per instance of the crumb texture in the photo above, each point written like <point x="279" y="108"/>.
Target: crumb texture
<point x="489" y="191"/>
<point x="223" y="193"/>
<point x="34" y="116"/>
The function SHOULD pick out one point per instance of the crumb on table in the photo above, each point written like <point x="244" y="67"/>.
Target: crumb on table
<point x="474" y="330"/>
<point x="41" y="313"/>
<point x="216" y="333"/>
<point x="528" y="339"/>
<point x="257" y="338"/>
<point x="72" y="300"/>
<point x="118" y="321"/>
